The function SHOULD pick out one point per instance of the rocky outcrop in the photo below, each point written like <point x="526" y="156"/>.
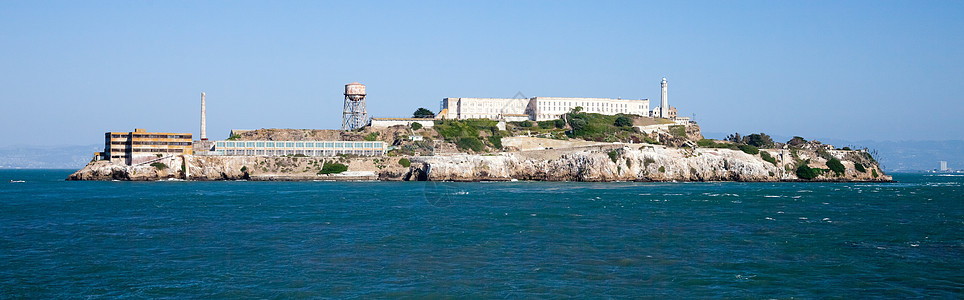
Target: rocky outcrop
<point x="612" y="162"/>
<point x="262" y="168"/>
<point x="627" y="163"/>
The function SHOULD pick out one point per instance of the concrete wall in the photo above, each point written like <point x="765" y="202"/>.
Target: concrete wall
<point x="389" y="122"/>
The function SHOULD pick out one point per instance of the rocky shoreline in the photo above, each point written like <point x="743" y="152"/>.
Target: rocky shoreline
<point x="599" y="163"/>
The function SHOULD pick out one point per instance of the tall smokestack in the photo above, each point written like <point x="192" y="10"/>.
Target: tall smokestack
<point x="204" y="127"/>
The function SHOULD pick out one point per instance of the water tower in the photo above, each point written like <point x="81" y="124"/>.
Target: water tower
<point x="354" y="116"/>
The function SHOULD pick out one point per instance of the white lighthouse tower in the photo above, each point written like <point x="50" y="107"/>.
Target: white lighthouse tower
<point x="663" y="101"/>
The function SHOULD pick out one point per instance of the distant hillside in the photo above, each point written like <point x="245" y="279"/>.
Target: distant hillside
<point x="51" y="157"/>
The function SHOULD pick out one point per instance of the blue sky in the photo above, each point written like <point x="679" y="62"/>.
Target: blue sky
<point x="850" y="70"/>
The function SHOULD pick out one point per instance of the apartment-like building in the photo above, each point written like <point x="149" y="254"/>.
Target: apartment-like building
<point x="141" y="146"/>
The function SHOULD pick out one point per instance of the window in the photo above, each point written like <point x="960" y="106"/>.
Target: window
<point x="289" y="145"/>
<point x="250" y="144"/>
<point x="368" y="145"/>
<point x="219" y="144"/>
<point x="299" y="145"/>
<point x="260" y="144"/>
<point x="329" y="145"/>
<point x="310" y="145"/>
<point x="338" y="145"/>
<point x="269" y="144"/>
<point x="230" y="144"/>
<point x="348" y="145"/>
<point x="359" y="145"/>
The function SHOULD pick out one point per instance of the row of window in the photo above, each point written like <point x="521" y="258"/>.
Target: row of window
<point x="161" y="136"/>
<point x="295" y="152"/>
<point x="142" y="150"/>
<point x="227" y="144"/>
<point x="152" y="136"/>
<point x="152" y="143"/>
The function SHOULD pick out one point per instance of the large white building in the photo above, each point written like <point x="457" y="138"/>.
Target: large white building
<point x="536" y="108"/>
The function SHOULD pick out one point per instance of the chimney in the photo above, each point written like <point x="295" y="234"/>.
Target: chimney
<point x="204" y="128"/>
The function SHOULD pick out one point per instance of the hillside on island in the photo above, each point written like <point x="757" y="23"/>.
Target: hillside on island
<point x="578" y="146"/>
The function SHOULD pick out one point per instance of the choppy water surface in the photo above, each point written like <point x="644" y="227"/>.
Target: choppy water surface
<point x="514" y="239"/>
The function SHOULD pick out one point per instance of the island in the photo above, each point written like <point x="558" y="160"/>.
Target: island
<point x="579" y="146"/>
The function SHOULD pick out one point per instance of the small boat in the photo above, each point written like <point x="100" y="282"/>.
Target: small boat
<point x="16" y="181"/>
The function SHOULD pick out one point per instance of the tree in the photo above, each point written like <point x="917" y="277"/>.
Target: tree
<point x="423" y="113"/>
<point x="797" y="141"/>
<point x="416" y="125"/>
<point x="735" y="137"/>
<point x="761" y="140"/>
<point x="623" y="121"/>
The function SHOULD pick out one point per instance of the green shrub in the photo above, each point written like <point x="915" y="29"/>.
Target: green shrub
<point x="705" y="143"/>
<point x="560" y="123"/>
<point x="547" y="124"/>
<point x="333" y="168"/>
<point x="677" y="130"/>
<point x="647" y="161"/>
<point x="613" y="155"/>
<point x="469" y="142"/>
<point x="405" y="162"/>
<point x="860" y="167"/>
<point x="835" y="166"/>
<point x="234" y="137"/>
<point x="496" y="141"/>
<point x="623" y="121"/>
<point x="749" y="149"/>
<point x="874" y="173"/>
<point x="244" y="169"/>
<point x="525" y="124"/>
<point x="416" y="125"/>
<point x="805" y="172"/>
<point x="662" y="169"/>
<point x="767" y="157"/>
<point x="371" y="136"/>
<point x="822" y="153"/>
<point x="159" y="165"/>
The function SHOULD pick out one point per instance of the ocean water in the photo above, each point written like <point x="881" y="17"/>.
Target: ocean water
<point x="480" y="240"/>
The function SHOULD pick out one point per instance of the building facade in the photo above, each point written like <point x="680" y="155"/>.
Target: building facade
<point x="307" y="148"/>
<point x="551" y="108"/>
<point x="536" y="108"/>
<point x="141" y="146"/>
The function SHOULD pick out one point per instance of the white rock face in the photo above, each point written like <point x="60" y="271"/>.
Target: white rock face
<point x="649" y="163"/>
<point x="613" y="162"/>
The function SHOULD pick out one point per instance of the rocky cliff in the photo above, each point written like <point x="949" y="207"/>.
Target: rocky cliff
<point x="613" y="162"/>
<point x="635" y="163"/>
